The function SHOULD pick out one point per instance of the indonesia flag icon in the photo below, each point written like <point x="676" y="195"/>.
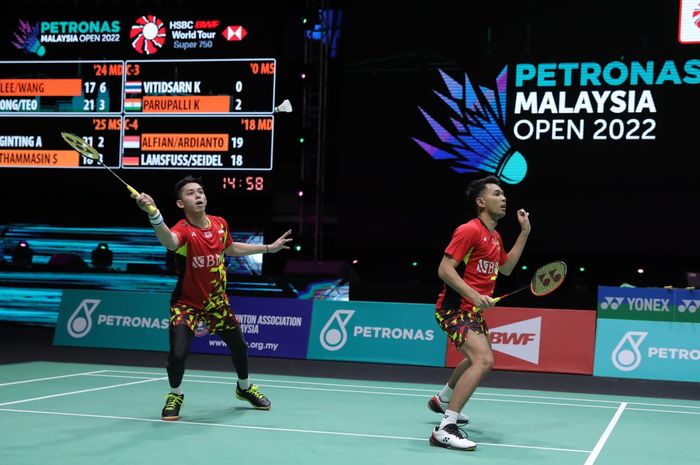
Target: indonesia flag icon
<point x="689" y="22"/>
<point x="132" y="142"/>
<point x="234" y="33"/>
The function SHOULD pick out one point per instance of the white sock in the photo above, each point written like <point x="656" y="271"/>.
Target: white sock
<point x="446" y="393"/>
<point x="244" y="384"/>
<point x="449" y="417"/>
<point x="177" y="390"/>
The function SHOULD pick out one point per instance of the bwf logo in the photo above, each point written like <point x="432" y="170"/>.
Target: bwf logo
<point x="520" y="339"/>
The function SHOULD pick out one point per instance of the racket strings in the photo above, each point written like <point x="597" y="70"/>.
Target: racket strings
<point x="547" y="278"/>
<point x="81" y="146"/>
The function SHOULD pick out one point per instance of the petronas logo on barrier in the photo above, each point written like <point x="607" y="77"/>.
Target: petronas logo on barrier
<point x="334" y="335"/>
<point x="626" y="355"/>
<point x="80" y="322"/>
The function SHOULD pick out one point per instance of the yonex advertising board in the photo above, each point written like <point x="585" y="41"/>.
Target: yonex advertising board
<point x="648" y="350"/>
<point x="535" y="339"/>
<point x="271" y="327"/>
<point x="686" y="305"/>
<point x="118" y="320"/>
<point x="380" y="332"/>
<point x="656" y="304"/>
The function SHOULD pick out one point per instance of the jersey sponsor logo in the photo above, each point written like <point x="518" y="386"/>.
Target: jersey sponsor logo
<point x="206" y="261"/>
<point x="520" y="339"/>
<point x="485" y="267"/>
<point x="208" y="234"/>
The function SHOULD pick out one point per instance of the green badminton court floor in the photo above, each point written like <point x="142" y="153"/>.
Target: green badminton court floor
<point x="80" y="414"/>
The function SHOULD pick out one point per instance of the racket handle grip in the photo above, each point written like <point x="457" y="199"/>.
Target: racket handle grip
<point x="476" y="309"/>
<point x="151" y="209"/>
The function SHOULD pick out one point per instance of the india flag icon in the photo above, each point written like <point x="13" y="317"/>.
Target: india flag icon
<point x="689" y="22"/>
<point x="132" y="104"/>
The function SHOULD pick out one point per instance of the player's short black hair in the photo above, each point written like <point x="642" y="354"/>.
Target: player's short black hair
<point x="477" y="186"/>
<point x="186" y="180"/>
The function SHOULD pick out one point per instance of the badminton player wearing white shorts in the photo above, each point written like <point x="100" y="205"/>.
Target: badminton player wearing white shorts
<point x="200" y="242"/>
<point x="469" y="267"/>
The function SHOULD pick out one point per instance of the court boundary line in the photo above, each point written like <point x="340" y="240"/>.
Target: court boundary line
<point x="398" y="394"/>
<point x="82" y="391"/>
<point x="228" y="380"/>
<point x="606" y="434"/>
<point x="427" y="391"/>
<point x="268" y="428"/>
<point x="477" y="395"/>
<point x="661" y="411"/>
<point x="85" y="373"/>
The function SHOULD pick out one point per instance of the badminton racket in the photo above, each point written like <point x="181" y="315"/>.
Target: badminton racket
<point x="88" y="151"/>
<point x="545" y="280"/>
<point x="284" y="107"/>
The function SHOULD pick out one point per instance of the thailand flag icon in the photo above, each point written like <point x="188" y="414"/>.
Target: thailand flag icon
<point x="689" y="22"/>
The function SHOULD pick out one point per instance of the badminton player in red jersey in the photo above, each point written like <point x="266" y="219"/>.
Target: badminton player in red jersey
<point x="469" y="267"/>
<point x="200" y="242"/>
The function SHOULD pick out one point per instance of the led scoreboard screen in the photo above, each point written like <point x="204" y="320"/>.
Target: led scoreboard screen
<point x="184" y="114"/>
<point x="160" y="93"/>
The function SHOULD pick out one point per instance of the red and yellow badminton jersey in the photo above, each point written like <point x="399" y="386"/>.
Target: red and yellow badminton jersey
<point x="480" y="253"/>
<point x="199" y="261"/>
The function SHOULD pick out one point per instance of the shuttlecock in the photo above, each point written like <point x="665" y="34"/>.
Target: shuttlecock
<point x="27" y="39"/>
<point x="284" y="107"/>
<point x="476" y="140"/>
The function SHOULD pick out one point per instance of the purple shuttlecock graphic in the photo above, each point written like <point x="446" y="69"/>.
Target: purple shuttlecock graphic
<point x="475" y="140"/>
<point x="26" y="38"/>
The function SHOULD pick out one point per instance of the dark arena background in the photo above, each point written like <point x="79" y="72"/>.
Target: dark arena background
<point x="358" y="125"/>
<point x="610" y="186"/>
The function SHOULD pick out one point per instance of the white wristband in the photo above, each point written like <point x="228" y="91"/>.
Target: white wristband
<point x="156" y="220"/>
